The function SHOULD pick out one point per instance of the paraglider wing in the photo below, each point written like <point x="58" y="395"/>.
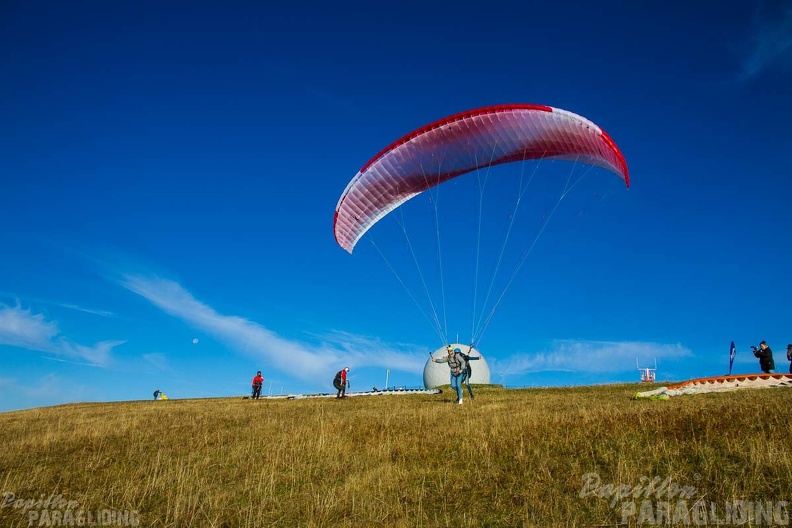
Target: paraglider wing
<point x="463" y="143"/>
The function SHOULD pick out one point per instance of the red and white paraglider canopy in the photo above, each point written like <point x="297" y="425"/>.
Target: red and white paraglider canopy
<point x="462" y="143"/>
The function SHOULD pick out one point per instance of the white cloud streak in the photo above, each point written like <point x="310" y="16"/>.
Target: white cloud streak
<point x="24" y="329"/>
<point x="299" y="359"/>
<point x="309" y="360"/>
<point x="44" y="389"/>
<point x="770" y="39"/>
<point x="590" y="356"/>
<point x="50" y="302"/>
<point x="158" y="361"/>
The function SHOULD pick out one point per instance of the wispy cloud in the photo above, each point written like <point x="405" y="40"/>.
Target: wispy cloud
<point x="45" y="389"/>
<point x="590" y="357"/>
<point x="51" y="302"/>
<point x="374" y="352"/>
<point x="24" y="329"/>
<point x="92" y="311"/>
<point x="301" y="359"/>
<point x="158" y="361"/>
<point x="770" y="39"/>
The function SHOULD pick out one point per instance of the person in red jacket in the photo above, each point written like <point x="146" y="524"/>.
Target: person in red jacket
<point x="258" y="381"/>
<point x="341" y="383"/>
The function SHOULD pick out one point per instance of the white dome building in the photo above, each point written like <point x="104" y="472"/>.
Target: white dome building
<point x="437" y="374"/>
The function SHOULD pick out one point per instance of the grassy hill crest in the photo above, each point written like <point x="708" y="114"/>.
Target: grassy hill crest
<point x="528" y="457"/>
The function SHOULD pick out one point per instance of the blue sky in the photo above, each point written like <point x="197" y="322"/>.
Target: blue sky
<point x="169" y="178"/>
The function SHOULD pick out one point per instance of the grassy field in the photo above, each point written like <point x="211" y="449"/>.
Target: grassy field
<point x="533" y="457"/>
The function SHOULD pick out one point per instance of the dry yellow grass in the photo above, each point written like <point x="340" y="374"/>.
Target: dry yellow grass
<point x="511" y="458"/>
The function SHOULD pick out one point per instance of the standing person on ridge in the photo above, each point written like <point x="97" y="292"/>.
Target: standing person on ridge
<point x="765" y="355"/>
<point x="457" y="365"/>
<point x="341" y="383"/>
<point x="258" y="381"/>
<point x="789" y="357"/>
<point x="469" y="370"/>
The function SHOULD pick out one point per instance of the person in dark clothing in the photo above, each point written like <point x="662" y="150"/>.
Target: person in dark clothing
<point x="340" y="382"/>
<point x="789" y="357"/>
<point x="258" y="381"/>
<point x="468" y="373"/>
<point x="156" y="394"/>
<point x="765" y="355"/>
